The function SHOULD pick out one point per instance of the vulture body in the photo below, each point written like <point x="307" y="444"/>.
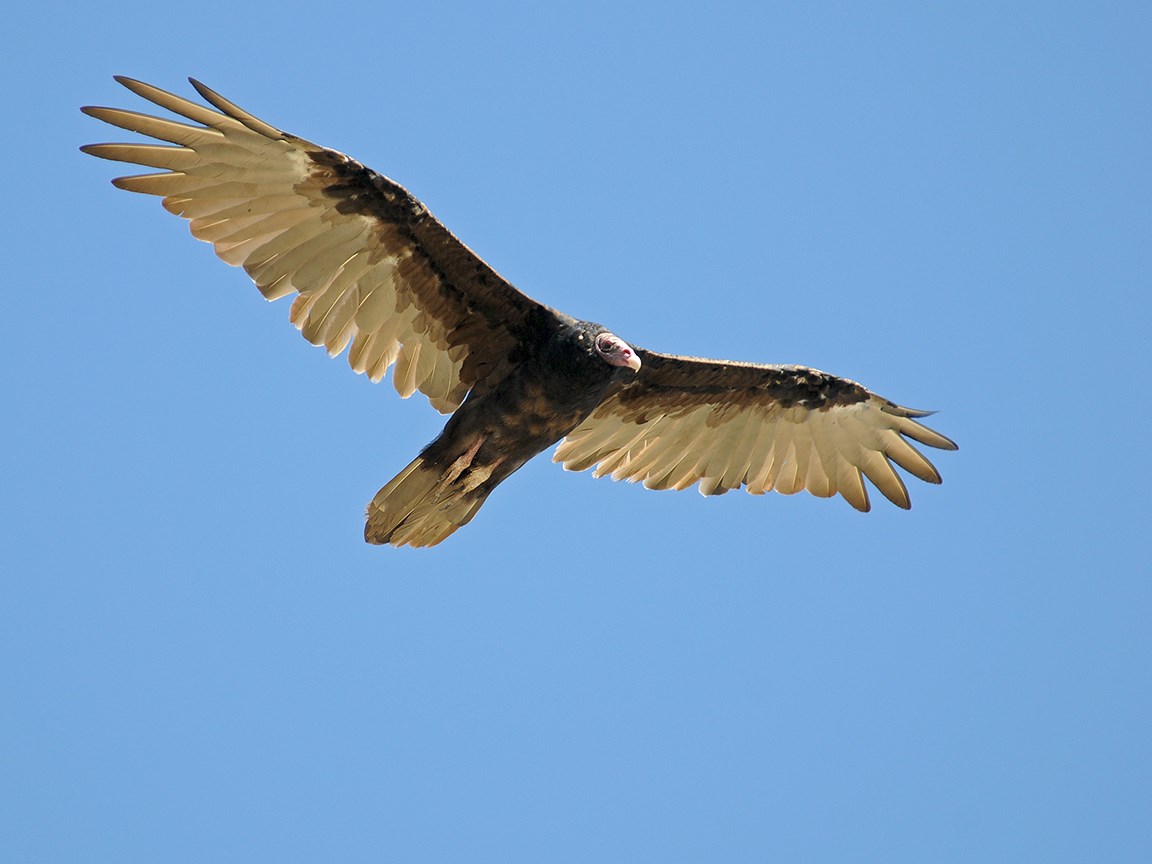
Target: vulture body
<point x="548" y="393"/>
<point x="373" y="271"/>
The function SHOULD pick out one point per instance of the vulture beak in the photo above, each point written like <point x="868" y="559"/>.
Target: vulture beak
<point x="631" y="359"/>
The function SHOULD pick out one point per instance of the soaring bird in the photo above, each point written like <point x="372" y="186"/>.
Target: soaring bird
<point x="370" y="267"/>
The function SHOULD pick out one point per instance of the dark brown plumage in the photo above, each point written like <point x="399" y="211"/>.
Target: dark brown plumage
<point x="374" y="270"/>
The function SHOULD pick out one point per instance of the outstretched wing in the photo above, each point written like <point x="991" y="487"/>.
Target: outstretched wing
<point x="686" y="420"/>
<point x="369" y="264"/>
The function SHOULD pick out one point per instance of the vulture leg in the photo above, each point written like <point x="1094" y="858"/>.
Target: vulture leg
<point x="463" y="463"/>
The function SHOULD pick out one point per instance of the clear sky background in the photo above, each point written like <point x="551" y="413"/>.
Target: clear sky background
<point x="201" y="661"/>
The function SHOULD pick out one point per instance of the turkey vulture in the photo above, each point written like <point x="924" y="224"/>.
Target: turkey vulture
<point x="372" y="268"/>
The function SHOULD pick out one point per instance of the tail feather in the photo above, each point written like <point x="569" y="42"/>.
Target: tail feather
<point x="420" y="506"/>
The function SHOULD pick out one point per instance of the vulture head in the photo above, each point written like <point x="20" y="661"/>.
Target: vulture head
<point x="615" y="351"/>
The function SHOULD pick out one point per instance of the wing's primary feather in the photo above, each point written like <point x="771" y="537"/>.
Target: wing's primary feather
<point x="722" y="425"/>
<point x="371" y="266"/>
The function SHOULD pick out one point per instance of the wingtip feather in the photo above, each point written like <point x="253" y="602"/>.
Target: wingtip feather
<point x="235" y="111"/>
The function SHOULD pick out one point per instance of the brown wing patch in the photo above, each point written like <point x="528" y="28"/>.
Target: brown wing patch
<point x="371" y="267"/>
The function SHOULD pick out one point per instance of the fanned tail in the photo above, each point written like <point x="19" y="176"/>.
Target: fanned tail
<point x="420" y="506"/>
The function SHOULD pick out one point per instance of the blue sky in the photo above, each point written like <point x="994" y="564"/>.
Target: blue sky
<point x="947" y="202"/>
